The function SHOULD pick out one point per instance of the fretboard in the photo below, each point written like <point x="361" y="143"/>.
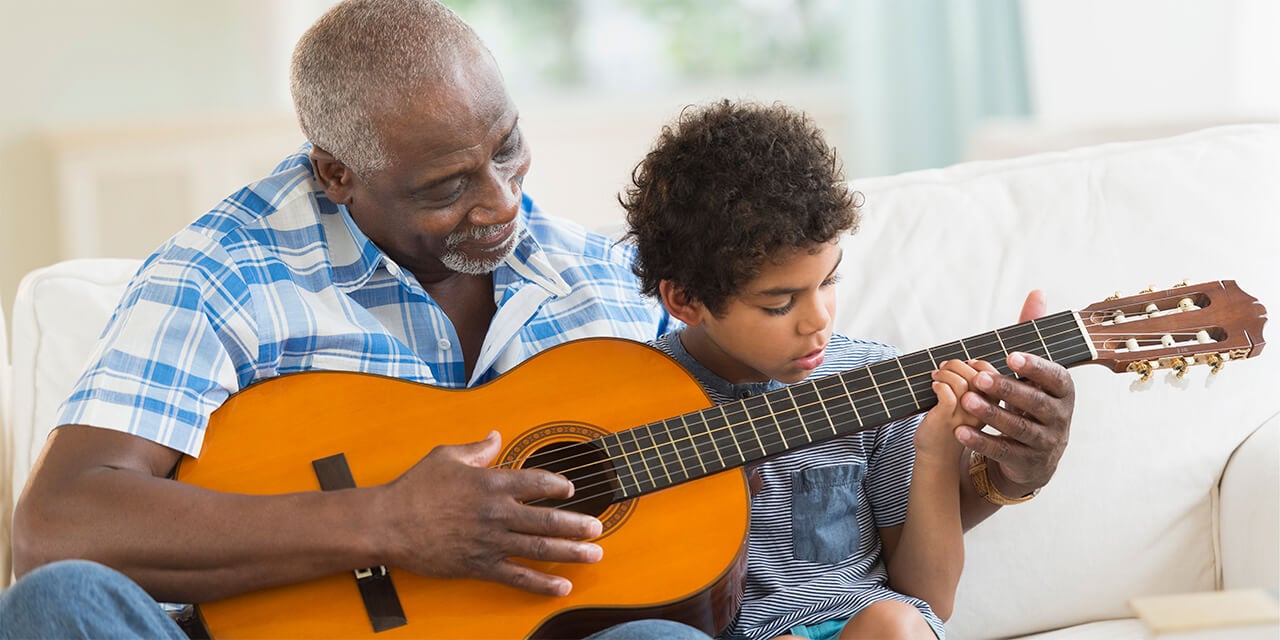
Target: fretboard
<point x="661" y="454"/>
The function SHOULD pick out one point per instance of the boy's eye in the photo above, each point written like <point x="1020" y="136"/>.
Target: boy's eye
<point x="832" y="280"/>
<point x="779" y="311"/>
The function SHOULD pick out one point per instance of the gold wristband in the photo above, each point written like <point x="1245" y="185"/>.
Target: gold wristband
<point x="986" y="488"/>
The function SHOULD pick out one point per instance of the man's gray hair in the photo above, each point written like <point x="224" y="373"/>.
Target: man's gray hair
<point x="366" y="58"/>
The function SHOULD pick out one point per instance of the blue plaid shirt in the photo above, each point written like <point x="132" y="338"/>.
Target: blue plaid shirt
<point x="278" y="279"/>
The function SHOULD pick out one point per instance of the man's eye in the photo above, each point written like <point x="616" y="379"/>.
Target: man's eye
<point x="444" y="193"/>
<point x="508" y="152"/>
<point x="510" y="149"/>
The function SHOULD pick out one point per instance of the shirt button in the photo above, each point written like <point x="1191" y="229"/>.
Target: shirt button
<point x="744" y="394"/>
<point x="444" y="344"/>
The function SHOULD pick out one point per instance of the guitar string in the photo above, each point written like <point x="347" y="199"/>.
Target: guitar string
<point x="790" y="422"/>
<point x="792" y="415"/>
<point x="676" y="444"/>
<point x="781" y="423"/>
<point x="783" y="420"/>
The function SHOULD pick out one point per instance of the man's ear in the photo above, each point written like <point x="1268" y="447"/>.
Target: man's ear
<point x="680" y="305"/>
<point x="334" y="176"/>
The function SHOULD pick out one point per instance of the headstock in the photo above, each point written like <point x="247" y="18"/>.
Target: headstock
<point x="1186" y="325"/>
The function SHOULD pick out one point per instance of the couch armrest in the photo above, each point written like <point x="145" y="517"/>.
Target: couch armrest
<point x="1249" y="515"/>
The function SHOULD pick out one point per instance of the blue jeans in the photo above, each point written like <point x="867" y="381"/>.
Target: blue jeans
<point x="80" y="599"/>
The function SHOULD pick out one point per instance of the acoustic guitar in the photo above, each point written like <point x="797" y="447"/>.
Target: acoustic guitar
<point x="647" y="452"/>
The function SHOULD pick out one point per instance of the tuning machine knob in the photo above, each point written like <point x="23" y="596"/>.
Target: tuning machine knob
<point x="1143" y="368"/>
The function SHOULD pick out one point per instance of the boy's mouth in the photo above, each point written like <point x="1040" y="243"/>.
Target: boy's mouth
<point x="812" y="359"/>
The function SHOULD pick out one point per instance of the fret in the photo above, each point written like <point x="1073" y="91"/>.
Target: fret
<point x="718" y="423"/>
<point x="878" y="387"/>
<point x="687" y="448"/>
<point x="811" y="409"/>
<point x="986" y="347"/>
<point x="1022" y="337"/>
<point x="1069" y="342"/>
<point x="1035" y="325"/>
<point x="794" y="414"/>
<point x="915" y="401"/>
<point x="743" y="433"/>
<point x="668" y="453"/>
<point x="948" y="351"/>
<point x="626" y="453"/>
<point x="646" y="456"/>
<point x="892" y="387"/>
<point x="861" y="389"/>
<point x="918" y="367"/>
<point x="704" y="441"/>
<point x="764" y="423"/>
<point x="833" y="394"/>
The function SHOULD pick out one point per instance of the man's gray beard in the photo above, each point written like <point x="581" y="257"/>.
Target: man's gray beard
<point x="463" y="263"/>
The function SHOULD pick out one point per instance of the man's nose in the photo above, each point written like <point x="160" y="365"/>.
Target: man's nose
<point x="500" y="200"/>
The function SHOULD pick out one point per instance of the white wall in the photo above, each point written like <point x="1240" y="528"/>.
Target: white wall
<point x="87" y="76"/>
<point x="1134" y="61"/>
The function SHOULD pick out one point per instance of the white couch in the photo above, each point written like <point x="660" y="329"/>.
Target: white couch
<point x="1167" y="486"/>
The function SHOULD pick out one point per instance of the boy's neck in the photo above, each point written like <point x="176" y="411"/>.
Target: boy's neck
<point x="701" y="348"/>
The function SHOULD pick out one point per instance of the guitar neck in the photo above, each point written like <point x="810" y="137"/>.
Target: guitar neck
<point x="686" y="447"/>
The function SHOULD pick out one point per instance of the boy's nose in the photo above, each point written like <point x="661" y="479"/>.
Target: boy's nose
<point x="815" y="318"/>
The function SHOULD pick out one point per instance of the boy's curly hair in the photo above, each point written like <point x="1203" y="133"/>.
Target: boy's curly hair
<point x="725" y="187"/>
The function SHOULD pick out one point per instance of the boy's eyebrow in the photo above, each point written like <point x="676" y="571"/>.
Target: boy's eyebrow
<point x="786" y="291"/>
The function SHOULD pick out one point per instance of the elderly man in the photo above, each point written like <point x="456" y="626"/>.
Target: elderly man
<point x="398" y="242"/>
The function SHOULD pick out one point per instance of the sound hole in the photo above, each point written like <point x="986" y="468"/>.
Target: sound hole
<point x="586" y="465"/>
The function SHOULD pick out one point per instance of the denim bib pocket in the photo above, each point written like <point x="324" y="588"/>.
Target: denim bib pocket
<point x="824" y="507"/>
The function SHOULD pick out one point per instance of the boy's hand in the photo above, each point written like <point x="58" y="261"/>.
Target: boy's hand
<point x="936" y="435"/>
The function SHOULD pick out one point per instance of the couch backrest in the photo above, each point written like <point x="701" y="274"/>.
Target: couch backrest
<point x="950" y="253"/>
<point x="58" y="313"/>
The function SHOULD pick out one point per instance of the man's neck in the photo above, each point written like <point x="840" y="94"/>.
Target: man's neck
<point x="467" y="300"/>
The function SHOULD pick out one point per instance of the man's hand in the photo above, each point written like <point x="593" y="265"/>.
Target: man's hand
<point x="1034" y="421"/>
<point x="454" y="517"/>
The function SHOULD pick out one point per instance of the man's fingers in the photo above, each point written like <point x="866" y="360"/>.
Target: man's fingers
<point x="1033" y="307"/>
<point x="549" y="521"/>
<point x="512" y="573"/>
<point x="1049" y="376"/>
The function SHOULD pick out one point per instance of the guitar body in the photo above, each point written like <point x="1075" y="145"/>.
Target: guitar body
<point x="678" y="553"/>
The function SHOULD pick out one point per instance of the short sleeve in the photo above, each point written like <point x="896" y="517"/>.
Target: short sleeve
<point x="167" y="358"/>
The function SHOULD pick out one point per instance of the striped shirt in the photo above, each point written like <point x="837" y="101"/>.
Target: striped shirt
<point x="814" y="550"/>
<point x="278" y="278"/>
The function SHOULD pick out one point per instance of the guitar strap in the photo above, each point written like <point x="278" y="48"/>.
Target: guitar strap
<point x="381" y="602"/>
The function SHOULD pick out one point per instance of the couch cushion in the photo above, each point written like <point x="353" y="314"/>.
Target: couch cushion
<point x="58" y="314"/>
<point x="945" y="254"/>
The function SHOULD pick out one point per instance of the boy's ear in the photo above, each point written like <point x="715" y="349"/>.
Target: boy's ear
<point x="680" y="305"/>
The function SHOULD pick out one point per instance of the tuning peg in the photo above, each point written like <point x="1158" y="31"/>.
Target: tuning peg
<point x="1114" y="296"/>
<point x="1179" y="365"/>
<point x="1142" y="368"/>
<point x="1180" y="284"/>
<point x="1214" y="361"/>
<point x="1151" y="288"/>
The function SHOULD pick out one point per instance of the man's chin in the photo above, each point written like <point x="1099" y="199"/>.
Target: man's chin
<point x="479" y="265"/>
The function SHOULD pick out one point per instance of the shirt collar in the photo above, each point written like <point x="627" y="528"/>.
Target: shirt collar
<point x="710" y="380"/>
<point x="355" y="257"/>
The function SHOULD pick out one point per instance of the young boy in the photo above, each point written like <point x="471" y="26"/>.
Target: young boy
<point x="737" y="213"/>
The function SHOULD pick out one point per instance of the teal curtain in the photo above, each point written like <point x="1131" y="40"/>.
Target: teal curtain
<point x="922" y="74"/>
